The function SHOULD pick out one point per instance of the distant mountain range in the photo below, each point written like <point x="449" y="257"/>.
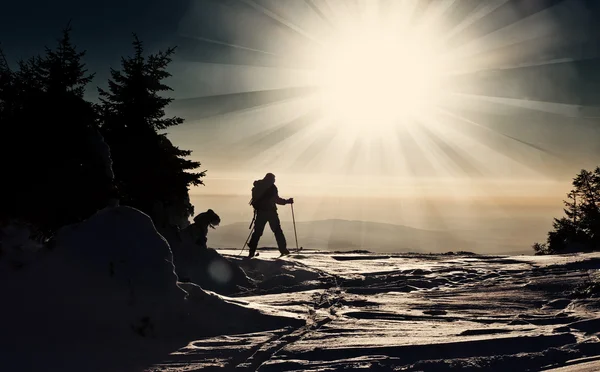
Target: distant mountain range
<point x="342" y="235"/>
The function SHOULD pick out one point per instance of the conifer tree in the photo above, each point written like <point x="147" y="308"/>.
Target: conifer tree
<point x="579" y="230"/>
<point x="6" y="88"/>
<point x="61" y="178"/>
<point x="63" y="69"/>
<point x="8" y="97"/>
<point x="152" y="174"/>
<point x="588" y="182"/>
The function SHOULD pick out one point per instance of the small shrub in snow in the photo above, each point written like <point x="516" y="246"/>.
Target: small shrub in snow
<point x="590" y="288"/>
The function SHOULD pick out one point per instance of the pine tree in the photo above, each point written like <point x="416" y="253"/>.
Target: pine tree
<point x="8" y="98"/>
<point x="63" y="68"/>
<point x="588" y="182"/>
<point x="572" y="210"/>
<point x="580" y="229"/>
<point x="6" y="88"/>
<point x="152" y="174"/>
<point x="61" y="178"/>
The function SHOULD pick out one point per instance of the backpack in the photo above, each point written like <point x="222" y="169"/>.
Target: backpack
<point x="259" y="193"/>
<point x="256" y="197"/>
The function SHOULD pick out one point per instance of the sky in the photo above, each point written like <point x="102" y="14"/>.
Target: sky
<point x="450" y="102"/>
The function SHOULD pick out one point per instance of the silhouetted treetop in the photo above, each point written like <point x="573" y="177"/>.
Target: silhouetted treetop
<point x="133" y="92"/>
<point x="62" y="68"/>
<point x="579" y="230"/>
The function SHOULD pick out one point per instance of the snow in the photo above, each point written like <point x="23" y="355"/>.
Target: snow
<point x="17" y="246"/>
<point x="105" y="297"/>
<point x="582" y="365"/>
<point x="205" y="266"/>
<point x="413" y="312"/>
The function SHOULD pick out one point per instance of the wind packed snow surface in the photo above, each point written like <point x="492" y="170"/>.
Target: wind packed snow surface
<point x="104" y="297"/>
<point x="410" y="312"/>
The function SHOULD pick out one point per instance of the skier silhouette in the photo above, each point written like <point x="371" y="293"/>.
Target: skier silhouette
<point x="265" y="198"/>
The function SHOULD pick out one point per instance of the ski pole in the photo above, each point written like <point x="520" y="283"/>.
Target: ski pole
<point x="251" y="227"/>
<point x="253" y="219"/>
<point x="294" y="221"/>
<point x="246" y="243"/>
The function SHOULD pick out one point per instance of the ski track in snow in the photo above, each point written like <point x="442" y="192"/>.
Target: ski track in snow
<point x="410" y="312"/>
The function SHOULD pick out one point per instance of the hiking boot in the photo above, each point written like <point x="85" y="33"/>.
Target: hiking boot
<point x="284" y="253"/>
<point x="252" y="252"/>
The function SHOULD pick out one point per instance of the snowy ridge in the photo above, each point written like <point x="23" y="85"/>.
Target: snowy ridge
<point x="412" y="312"/>
<point x="105" y="297"/>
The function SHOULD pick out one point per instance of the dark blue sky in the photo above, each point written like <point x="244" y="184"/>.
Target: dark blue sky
<point x="103" y="28"/>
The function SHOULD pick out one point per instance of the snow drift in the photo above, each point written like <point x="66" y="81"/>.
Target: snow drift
<point x="17" y="246"/>
<point x="105" y="297"/>
<point x="205" y="266"/>
<point x="413" y="312"/>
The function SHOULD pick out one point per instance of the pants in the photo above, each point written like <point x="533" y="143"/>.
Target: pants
<point x="262" y="217"/>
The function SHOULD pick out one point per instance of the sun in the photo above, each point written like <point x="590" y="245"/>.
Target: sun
<point x="373" y="78"/>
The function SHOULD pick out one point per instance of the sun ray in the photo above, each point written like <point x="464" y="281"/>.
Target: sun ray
<point x="399" y="15"/>
<point x="455" y="13"/>
<point x="551" y="132"/>
<point x="207" y="106"/>
<point x="420" y="9"/>
<point x="451" y="153"/>
<point x="433" y="14"/>
<point x="282" y="21"/>
<point x="505" y="15"/>
<point x="229" y="45"/>
<point x="315" y="150"/>
<point x="286" y="130"/>
<point x="483" y="9"/>
<point x="526" y="54"/>
<point x="541" y="82"/>
<point x="304" y="145"/>
<point x="319" y="12"/>
<point x="384" y="108"/>
<point x="534" y="36"/>
<point x="429" y="153"/>
<point x="562" y="109"/>
<point x="195" y="49"/>
<point x="341" y="13"/>
<point x="524" y="144"/>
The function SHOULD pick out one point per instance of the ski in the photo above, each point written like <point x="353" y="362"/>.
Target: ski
<point x="249" y="258"/>
<point x="292" y="252"/>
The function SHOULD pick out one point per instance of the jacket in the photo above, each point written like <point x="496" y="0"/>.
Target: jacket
<point x="265" y="197"/>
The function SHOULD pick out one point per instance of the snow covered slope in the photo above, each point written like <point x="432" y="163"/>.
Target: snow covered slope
<point x="412" y="312"/>
<point x="105" y="298"/>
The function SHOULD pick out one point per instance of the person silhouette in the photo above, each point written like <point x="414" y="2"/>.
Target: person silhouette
<point x="198" y="231"/>
<point x="265" y="198"/>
